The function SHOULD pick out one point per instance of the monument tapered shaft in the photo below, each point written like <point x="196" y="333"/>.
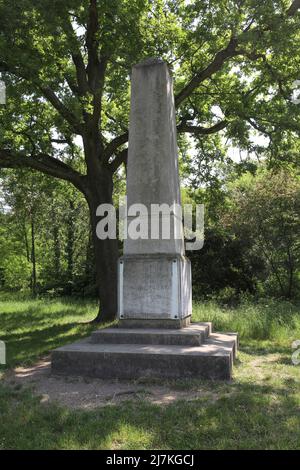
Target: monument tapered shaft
<point x="153" y="159"/>
<point x="155" y="281"/>
<point x="152" y="176"/>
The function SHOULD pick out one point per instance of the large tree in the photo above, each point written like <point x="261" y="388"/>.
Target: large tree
<point x="66" y="65"/>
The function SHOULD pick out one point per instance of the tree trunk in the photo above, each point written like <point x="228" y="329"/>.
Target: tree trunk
<point x="100" y="188"/>
<point x="290" y="274"/>
<point x="90" y="265"/>
<point x="70" y="246"/>
<point x="26" y="240"/>
<point x="56" y="245"/>
<point x="33" y="258"/>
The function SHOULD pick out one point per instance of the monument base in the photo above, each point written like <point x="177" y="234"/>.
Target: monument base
<point x="155" y="288"/>
<point x="155" y="323"/>
<point x="121" y="353"/>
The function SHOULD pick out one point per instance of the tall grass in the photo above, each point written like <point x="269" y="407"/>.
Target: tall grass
<point x="266" y="320"/>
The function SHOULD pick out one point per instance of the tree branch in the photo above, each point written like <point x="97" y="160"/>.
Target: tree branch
<point x="92" y="44"/>
<point x="293" y="8"/>
<point x="61" y="108"/>
<point x="49" y="94"/>
<point x="200" y="130"/>
<point x="81" y="76"/>
<point x="120" y="158"/>
<point x="43" y="163"/>
<point x="115" y="144"/>
<point x="97" y="64"/>
<point x="225" y="54"/>
<point x="217" y="63"/>
<point x="83" y="86"/>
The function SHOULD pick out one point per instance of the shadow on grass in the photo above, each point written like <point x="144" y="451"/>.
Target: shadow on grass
<point x="25" y="347"/>
<point x="234" y="415"/>
<point x="33" y="329"/>
<point x="248" y="418"/>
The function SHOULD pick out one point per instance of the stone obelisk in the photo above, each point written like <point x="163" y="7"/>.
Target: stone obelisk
<point x="154" y="274"/>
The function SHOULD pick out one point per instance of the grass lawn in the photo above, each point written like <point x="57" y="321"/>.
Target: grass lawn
<point x="260" y="409"/>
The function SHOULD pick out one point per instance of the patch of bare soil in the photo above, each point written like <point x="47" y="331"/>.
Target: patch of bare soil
<point x="89" y="393"/>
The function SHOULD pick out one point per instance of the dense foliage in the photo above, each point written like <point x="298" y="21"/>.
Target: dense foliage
<point x="66" y="66"/>
<point x="252" y="247"/>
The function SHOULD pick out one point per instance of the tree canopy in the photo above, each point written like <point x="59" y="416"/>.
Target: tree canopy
<point x="66" y="66"/>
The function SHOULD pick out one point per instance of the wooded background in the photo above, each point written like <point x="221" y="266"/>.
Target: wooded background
<point x="64" y="133"/>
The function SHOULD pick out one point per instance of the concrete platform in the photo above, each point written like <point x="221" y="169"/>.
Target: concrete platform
<point x="194" y="335"/>
<point x="212" y="359"/>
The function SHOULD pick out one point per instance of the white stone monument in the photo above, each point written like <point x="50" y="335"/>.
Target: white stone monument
<point x="154" y="274"/>
<point x="153" y="337"/>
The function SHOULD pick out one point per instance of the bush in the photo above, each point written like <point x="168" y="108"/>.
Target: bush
<point x="16" y="272"/>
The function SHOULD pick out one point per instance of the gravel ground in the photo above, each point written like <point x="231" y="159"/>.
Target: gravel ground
<point x="89" y="393"/>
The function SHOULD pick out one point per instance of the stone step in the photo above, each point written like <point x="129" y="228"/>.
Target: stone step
<point x="213" y="359"/>
<point x="193" y="335"/>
